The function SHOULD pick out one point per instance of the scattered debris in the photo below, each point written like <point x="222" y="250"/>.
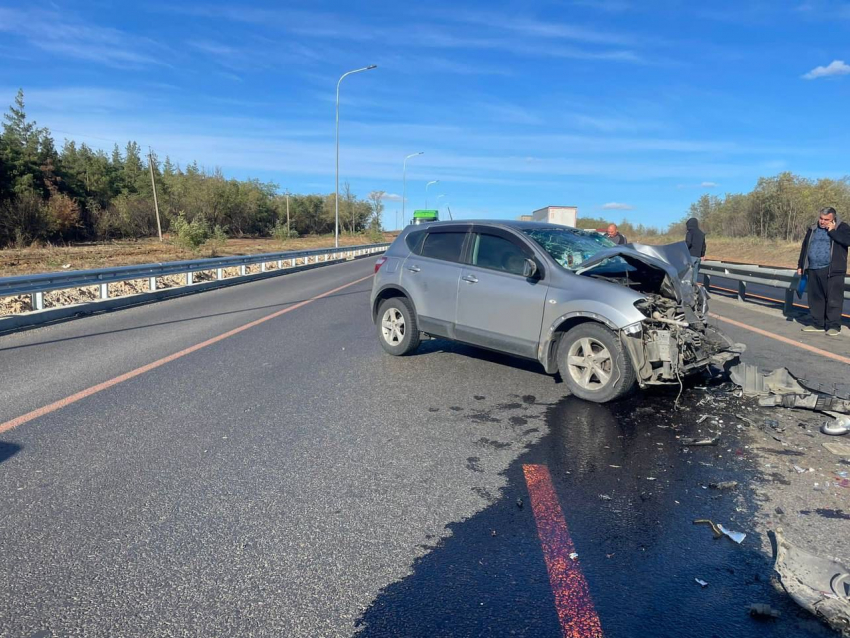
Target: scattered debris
<point x="745" y="419"/>
<point x="738" y="537"/>
<point x="605" y="497"/>
<point x="839" y="427"/>
<point x="839" y="449"/>
<point x="724" y="485"/>
<point x="573" y="556"/>
<point x="763" y="610"/>
<point x="694" y="442"/>
<point x="703" y="418"/>
<point x="781" y="388"/>
<point x="519" y="503"/>
<point x="702" y="583"/>
<point x="651" y="478"/>
<point x="798" y="469"/>
<point x="820" y="585"/>
<point x="493" y="533"/>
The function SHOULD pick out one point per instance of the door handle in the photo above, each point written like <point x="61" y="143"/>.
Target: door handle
<point x="414" y="268"/>
<point x="472" y="279"/>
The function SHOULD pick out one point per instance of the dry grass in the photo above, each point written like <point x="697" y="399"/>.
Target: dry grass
<point x="748" y="250"/>
<point x="39" y="259"/>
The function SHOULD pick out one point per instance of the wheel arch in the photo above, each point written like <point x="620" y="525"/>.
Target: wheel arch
<point x="563" y="324"/>
<point x="389" y="292"/>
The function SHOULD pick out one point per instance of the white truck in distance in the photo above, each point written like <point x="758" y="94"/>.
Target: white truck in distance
<point x="563" y="215"/>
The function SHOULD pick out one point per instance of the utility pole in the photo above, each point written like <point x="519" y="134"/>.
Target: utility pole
<point x="288" y="232"/>
<point x="155" y="203"/>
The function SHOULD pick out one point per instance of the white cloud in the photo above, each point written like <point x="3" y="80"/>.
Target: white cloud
<point x="392" y="197"/>
<point x="708" y="185"/>
<point x="617" y="206"/>
<point x="66" y="36"/>
<point x="836" y="67"/>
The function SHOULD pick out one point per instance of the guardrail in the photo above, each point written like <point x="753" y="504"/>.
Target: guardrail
<point x="37" y="285"/>
<point x="784" y="279"/>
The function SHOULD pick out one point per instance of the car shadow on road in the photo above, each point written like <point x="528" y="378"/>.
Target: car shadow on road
<point x="8" y="450"/>
<point x="630" y="493"/>
<point x="432" y="346"/>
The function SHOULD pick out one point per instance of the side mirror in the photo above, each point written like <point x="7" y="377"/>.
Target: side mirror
<point x="529" y="269"/>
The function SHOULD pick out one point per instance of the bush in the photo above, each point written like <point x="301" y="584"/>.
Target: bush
<point x="23" y="219"/>
<point x="217" y="240"/>
<point x="190" y="235"/>
<point x="280" y="233"/>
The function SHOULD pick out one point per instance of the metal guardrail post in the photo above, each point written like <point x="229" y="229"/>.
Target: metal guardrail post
<point x="151" y="284"/>
<point x="38" y="301"/>
<point x="263" y="267"/>
<point x="190" y="279"/>
<point x="243" y="270"/>
<point x="742" y="290"/>
<point x="706" y="281"/>
<point x="219" y="273"/>
<point x="104" y="291"/>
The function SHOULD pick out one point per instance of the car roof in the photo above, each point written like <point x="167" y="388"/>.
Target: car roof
<point x="500" y="223"/>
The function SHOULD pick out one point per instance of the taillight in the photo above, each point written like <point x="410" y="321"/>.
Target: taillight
<point x="380" y="261"/>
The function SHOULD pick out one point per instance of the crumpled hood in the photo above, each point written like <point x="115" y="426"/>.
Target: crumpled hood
<point x="674" y="259"/>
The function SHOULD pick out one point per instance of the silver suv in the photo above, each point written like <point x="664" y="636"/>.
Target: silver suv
<point x="604" y="316"/>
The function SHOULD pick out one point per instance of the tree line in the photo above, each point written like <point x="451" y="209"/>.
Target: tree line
<point x="82" y="194"/>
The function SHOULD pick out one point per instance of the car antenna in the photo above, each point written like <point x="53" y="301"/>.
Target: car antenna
<point x="450" y="213"/>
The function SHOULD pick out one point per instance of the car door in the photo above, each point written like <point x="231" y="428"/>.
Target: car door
<point x="431" y="274"/>
<point x="497" y="306"/>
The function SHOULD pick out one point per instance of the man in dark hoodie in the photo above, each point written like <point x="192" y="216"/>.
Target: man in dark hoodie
<point x="695" y="238"/>
<point x="824" y="259"/>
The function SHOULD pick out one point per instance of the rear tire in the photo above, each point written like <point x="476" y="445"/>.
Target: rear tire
<point x="398" y="329"/>
<point x="594" y="364"/>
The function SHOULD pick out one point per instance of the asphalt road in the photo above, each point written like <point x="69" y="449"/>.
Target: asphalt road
<point x="293" y="480"/>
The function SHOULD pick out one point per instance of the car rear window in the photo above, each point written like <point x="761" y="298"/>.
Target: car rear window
<point x="445" y="246"/>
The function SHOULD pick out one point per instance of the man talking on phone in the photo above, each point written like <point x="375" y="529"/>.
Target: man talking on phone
<point x="823" y="257"/>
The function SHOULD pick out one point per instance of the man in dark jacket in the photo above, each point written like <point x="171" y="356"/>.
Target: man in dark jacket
<point x="616" y="236"/>
<point x="823" y="258"/>
<point x="695" y="238"/>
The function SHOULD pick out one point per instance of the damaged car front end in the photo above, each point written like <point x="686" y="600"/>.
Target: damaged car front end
<point x="647" y="295"/>
<point x="673" y="339"/>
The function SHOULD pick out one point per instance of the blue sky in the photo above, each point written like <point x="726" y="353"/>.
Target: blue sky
<point x="625" y="108"/>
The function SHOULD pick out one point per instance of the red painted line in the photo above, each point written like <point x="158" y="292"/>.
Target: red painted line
<point x="61" y="403"/>
<point x="771" y="335"/>
<point x="572" y="596"/>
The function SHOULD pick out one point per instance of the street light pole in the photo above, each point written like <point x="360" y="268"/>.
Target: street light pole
<point x="433" y="181"/>
<point x="288" y="231"/>
<point x="404" y="183"/>
<point x="336" y="198"/>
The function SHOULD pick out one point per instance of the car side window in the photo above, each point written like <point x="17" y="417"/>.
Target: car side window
<point x="414" y="241"/>
<point x="444" y="246"/>
<point x="497" y="253"/>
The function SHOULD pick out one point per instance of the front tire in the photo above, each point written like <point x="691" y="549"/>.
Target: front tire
<point x="398" y="330"/>
<point x="594" y="364"/>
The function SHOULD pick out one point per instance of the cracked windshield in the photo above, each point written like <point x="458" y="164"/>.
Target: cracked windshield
<point x="570" y="248"/>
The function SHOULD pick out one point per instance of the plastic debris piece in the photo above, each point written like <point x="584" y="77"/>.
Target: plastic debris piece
<point x="839" y="449"/>
<point x="835" y="428"/>
<point x="689" y="441"/>
<point x="703" y="418"/>
<point x="820" y="585"/>
<point x="738" y="537"/>
<point x="702" y="583"/>
<point x="519" y="503"/>
<point x="651" y="478"/>
<point x="724" y="485"/>
<point x="605" y="497"/>
<point x="764" y="611"/>
<point x="573" y="556"/>
<point x="799" y="470"/>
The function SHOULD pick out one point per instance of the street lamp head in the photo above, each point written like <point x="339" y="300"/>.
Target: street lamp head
<point x="371" y="66"/>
